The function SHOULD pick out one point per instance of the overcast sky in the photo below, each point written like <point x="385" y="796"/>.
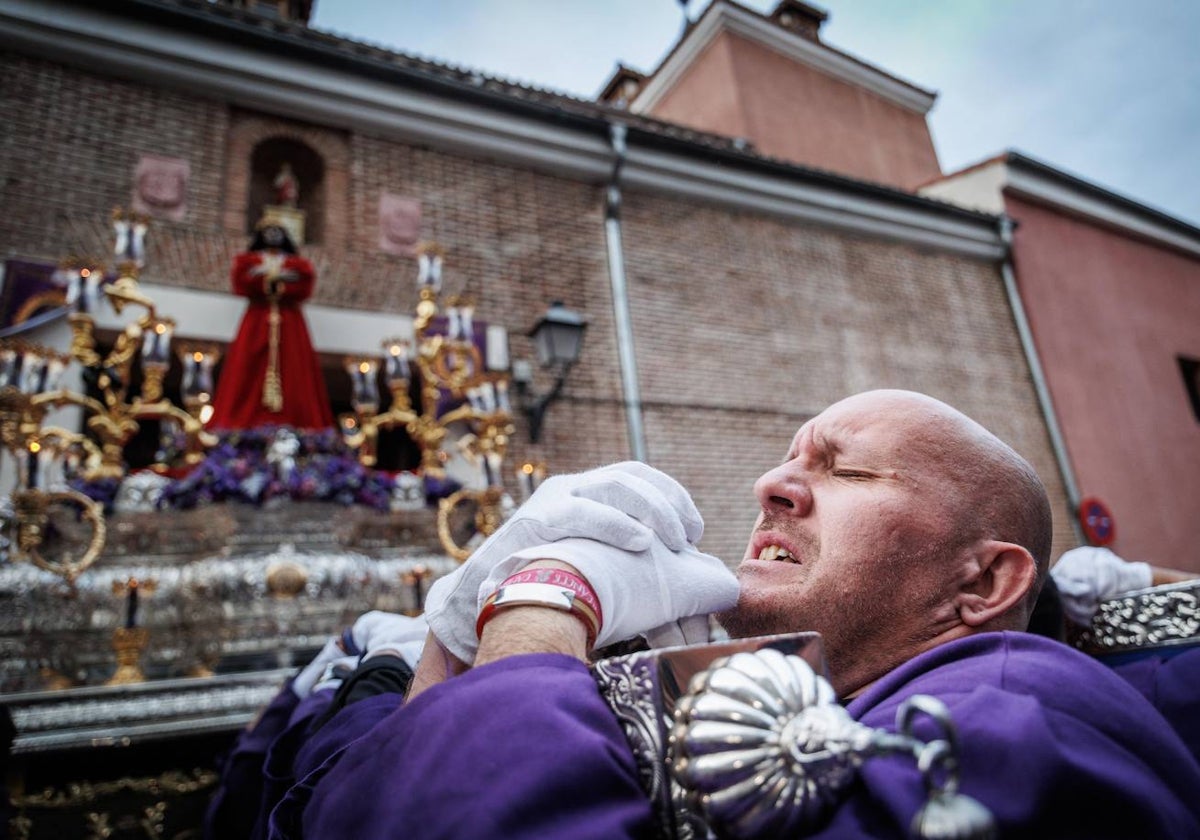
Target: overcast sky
<point x="1105" y="89"/>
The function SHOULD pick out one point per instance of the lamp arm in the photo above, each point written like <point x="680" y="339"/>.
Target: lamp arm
<point x="536" y="412"/>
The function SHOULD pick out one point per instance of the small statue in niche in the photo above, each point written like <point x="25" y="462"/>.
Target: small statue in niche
<point x="287" y="188"/>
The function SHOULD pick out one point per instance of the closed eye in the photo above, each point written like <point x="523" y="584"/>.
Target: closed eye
<point x="852" y="474"/>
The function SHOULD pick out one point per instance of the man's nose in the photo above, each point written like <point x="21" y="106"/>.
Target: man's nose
<point x="784" y="490"/>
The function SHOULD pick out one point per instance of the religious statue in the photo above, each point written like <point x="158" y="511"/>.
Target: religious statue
<point x="271" y="374"/>
<point x="287" y="188"/>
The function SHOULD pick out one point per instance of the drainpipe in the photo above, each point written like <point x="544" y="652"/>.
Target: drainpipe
<point x="620" y="295"/>
<point x="1039" y="378"/>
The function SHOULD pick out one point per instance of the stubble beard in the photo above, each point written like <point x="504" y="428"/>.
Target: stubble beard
<point x="778" y="611"/>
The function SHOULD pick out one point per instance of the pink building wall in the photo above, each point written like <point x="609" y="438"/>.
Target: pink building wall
<point x="1110" y="314"/>
<point x="739" y="88"/>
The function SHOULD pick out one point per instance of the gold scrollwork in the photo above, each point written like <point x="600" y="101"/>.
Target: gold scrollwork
<point x="154" y="817"/>
<point x="19" y="827"/>
<point x="488" y="517"/>
<point x="75" y="794"/>
<point x="44" y="300"/>
<point x="98" y="826"/>
<point x="32" y="507"/>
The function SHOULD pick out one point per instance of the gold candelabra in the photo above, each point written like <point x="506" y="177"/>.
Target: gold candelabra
<point x="30" y="387"/>
<point x="130" y="640"/>
<point x="24" y="369"/>
<point x="447" y="362"/>
<point x="114" y="418"/>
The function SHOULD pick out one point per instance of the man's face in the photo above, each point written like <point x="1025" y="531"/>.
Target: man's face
<point x="854" y="537"/>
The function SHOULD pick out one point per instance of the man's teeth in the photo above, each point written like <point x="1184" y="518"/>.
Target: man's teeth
<point x="775" y="552"/>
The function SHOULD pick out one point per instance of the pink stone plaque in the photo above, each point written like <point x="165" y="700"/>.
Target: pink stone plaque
<point x="399" y="224"/>
<point x="160" y="187"/>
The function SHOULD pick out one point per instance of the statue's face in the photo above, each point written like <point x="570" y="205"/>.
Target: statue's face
<point x="273" y="236"/>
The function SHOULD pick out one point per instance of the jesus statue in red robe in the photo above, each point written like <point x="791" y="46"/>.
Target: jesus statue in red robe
<point x="271" y="374"/>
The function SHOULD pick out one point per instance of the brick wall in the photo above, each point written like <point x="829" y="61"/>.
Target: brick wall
<point x="745" y="325"/>
<point x="67" y="154"/>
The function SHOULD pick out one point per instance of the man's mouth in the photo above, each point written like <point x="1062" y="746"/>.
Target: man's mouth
<point x="776" y="552"/>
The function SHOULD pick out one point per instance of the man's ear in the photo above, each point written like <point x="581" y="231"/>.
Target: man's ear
<point x="1002" y="575"/>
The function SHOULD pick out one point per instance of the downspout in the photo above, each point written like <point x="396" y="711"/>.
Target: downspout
<point x="620" y="295"/>
<point x="1039" y="378"/>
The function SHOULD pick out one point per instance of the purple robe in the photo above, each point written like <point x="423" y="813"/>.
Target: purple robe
<point x="1051" y="742"/>
<point x="237" y="806"/>
<point x="278" y="770"/>
<point x="1054" y="743"/>
<point x="321" y="753"/>
<point x="1170" y="680"/>
<point x="524" y="747"/>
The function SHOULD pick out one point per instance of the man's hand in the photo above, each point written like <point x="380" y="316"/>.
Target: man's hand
<point x="315" y="671"/>
<point x="378" y="632"/>
<point x="660" y="594"/>
<point x="629" y="506"/>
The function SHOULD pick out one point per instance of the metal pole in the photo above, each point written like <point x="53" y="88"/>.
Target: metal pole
<point x="620" y="293"/>
<point x="1039" y="379"/>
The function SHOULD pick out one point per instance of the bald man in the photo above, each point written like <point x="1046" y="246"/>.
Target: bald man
<point x="905" y="533"/>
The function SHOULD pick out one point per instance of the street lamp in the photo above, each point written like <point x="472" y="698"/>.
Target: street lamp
<point x="557" y="337"/>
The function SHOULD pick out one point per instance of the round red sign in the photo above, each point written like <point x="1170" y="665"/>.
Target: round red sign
<point x="1099" y="526"/>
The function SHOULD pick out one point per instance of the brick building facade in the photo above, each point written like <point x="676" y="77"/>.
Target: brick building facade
<point x="1112" y="291"/>
<point x="758" y="292"/>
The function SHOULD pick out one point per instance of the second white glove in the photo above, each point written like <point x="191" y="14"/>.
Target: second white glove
<point x="1087" y="575"/>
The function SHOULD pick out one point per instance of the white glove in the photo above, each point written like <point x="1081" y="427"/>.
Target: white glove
<point x="625" y="505"/>
<point x="641" y="593"/>
<point x="380" y="632"/>
<point x="312" y="673"/>
<point x="335" y="673"/>
<point x="1086" y="576"/>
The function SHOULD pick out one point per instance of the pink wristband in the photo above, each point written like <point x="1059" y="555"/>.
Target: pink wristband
<point x="560" y="577"/>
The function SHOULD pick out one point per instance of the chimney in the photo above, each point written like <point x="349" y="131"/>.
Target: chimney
<point x="292" y="11"/>
<point x="801" y="18"/>
<point x="621" y="88"/>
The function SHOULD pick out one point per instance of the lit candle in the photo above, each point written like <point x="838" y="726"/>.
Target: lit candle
<point x="74" y="282"/>
<point x="396" y="362"/>
<point x="131" y="604"/>
<point x="120" y="235"/>
<point x="53" y="374"/>
<point x="429" y="272"/>
<point x="453" y="324"/>
<point x="362" y="377"/>
<point x="474" y="400"/>
<point x="191" y="373"/>
<point x="32" y="368"/>
<point x="466" y="314"/>
<point x="151" y="341"/>
<point x="497" y="347"/>
<point x="8" y="367"/>
<point x="492" y="460"/>
<point x="196" y="383"/>
<point x="165" y="329"/>
<point x="502" y="396"/>
<point x="31" y="465"/>
<point x="525" y="481"/>
<point x="89" y="299"/>
<point x="137" y="243"/>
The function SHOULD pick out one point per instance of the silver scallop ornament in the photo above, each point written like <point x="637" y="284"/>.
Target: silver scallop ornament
<point x="761" y="746"/>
